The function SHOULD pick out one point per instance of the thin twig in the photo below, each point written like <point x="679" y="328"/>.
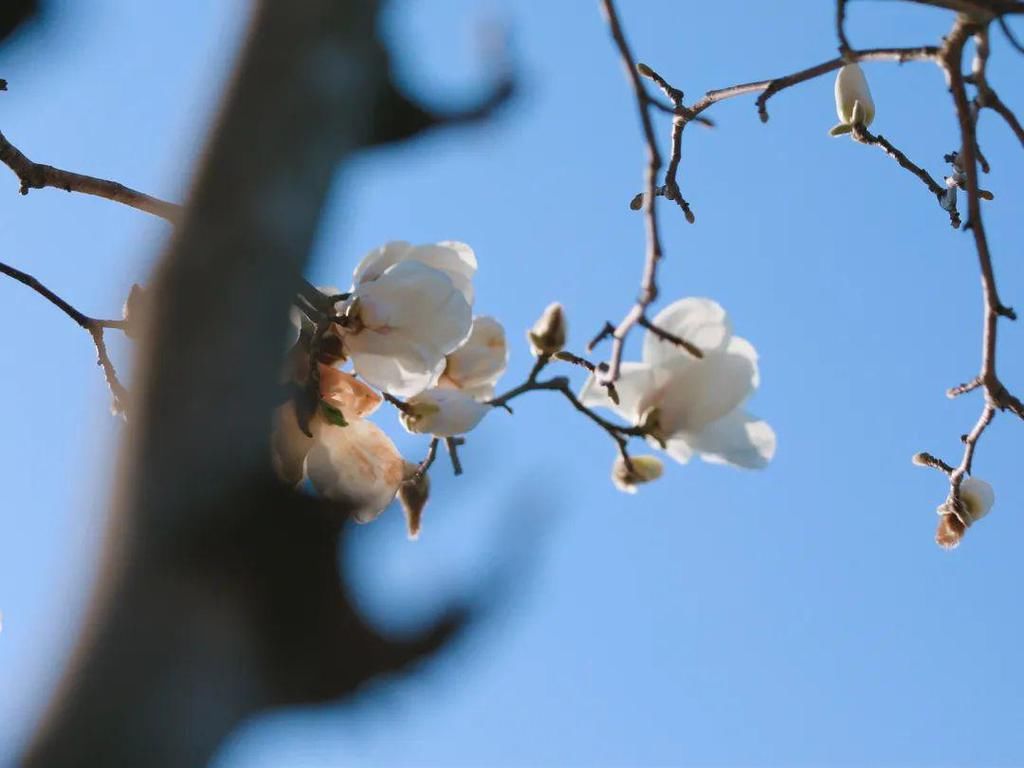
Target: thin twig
<point x="769" y="88"/>
<point x="621" y="434"/>
<point x="987" y="97"/>
<point x="453" y="443"/>
<point x="94" y="326"/>
<point x="844" y="43"/>
<point x="864" y="136"/>
<point x="671" y="338"/>
<point x="38" y="176"/>
<point x="648" y="282"/>
<point x="427" y="462"/>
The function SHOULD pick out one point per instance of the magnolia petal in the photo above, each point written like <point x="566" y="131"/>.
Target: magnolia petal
<point x="701" y="322"/>
<point x="481" y="359"/>
<point x="978" y="497"/>
<point x="357" y="465"/>
<point x="389" y="374"/>
<point x="288" y="445"/>
<point x="455" y="259"/>
<point x="853" y="94"/>
<point x="699" y="392"/>
<point x="344" y="391"/>
<point x="376" y="261"/>
<point x="739" y="439"/>
<point x="416" y="302"/>
<point x="636" y="388"/>
<point x="678" y="447"/>
<point x="411" y="317"/>
<point x="443" y="413"/>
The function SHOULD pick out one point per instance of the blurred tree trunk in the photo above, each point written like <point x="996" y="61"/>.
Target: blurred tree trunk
<point x="220" y="593"/>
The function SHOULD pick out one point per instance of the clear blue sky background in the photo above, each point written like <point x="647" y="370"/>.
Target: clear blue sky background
<point x="796" y="616"/>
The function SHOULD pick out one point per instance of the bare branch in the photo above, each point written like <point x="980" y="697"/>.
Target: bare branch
<point x="996" y="395"/>
<point x="864" y="136"/>
<point x="648" y="282"/>
<point x="94" y="326"/>
<point x="452" y="444"/>
<point x="37" y="176"/>
<point x="769" y="88"/>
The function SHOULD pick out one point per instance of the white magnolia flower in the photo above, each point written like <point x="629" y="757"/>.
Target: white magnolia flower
<point x="443" y="412"/>
<point x="355" y="464"/>
<point x="476" y="366"/>
<point x="853" y="99"/>
<point x="644" y="469"/>
<point x="693" y="406"/>
<point x="411" y="306"/>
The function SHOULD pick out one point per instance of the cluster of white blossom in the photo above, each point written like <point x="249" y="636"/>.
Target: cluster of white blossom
<point x="407" y="327"/>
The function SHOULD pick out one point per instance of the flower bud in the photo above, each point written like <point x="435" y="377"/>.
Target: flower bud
<point x="641" y="469"/>
<point x="476" y="365"/>
<point x="413" y="494"/>
<point x="976" y="499"/>
<point x="854" y="104"/>
<point x="442" y="412"/>
<point x="548" y="334"/>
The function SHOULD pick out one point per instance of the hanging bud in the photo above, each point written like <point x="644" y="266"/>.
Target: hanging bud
<point x="548" y="334"/>
<point x="976" y="499"/>
<point x="854" y="104"/>
<point x="136" y="306"/>
<point x="413" y="494"/>
<point x="641" y="469"/>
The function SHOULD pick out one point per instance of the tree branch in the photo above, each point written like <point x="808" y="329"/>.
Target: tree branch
<point x="37" y="176"/>
<point x="92" y="325"/>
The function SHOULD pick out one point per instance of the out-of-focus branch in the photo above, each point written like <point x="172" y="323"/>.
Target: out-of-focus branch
<point x="38" y="176"/>
<point x="94" y="326"/>
<point x="221" y="593"/>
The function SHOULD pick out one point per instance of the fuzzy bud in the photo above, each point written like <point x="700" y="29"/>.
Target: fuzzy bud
<point x="548" y="334"/>
<point x="413" y="495"/>
<point x="641" y="469"/>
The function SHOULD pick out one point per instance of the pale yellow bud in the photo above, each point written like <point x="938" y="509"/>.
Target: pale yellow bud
<point x="548" y="334"/>
<point x="640" y="469"/>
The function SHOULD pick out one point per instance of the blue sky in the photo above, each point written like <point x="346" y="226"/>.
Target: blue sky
<point x="796" y="616"/>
